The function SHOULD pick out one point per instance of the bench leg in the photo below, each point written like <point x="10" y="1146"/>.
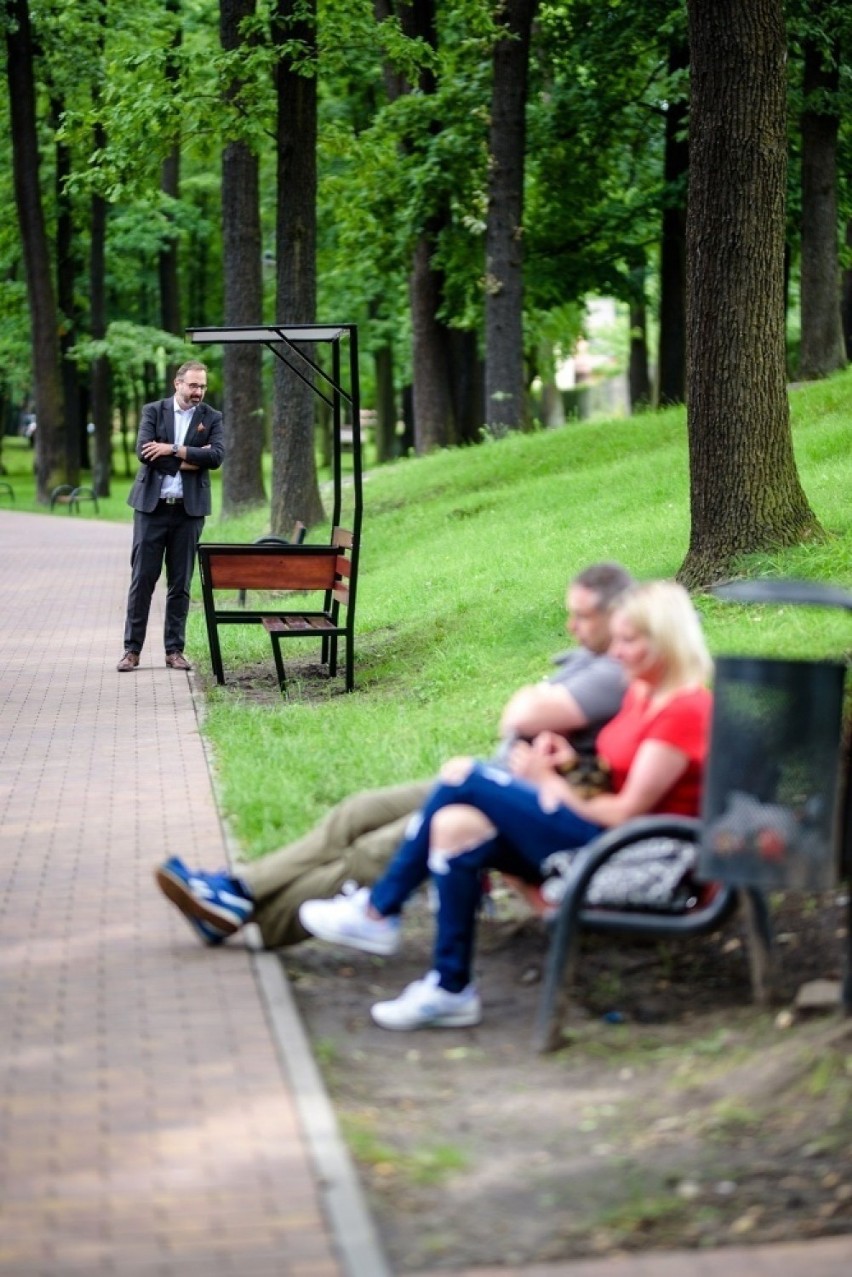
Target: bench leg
<point x="846" y="994"/>
<point x="759" y="939"/>
<point x="279" y="663"/>
<point x="350" y="662"/>
<point x="556" y="994"/>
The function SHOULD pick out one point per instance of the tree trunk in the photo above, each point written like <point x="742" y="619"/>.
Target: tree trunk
<point x="638" y="370"/>
<point x="467" y="384"/>
<point x="170" y="310"/>
<point x="242" y="391"/>
<point x="386" y="415"/>
<point x="170" y="317"/>
<point x="846" y="303"/>
<point x="101" y="415"/>
<point x="671" y="376"/>
<point x="505" y="407"/>
<point x="295" y="491"/>
<point x="432" y="399"/>
<point x="40" y="293"/>
<point x="745" y="493"/>
<point x="822" y="349"/>
<point x="432" y="403"/>
<point x="75" y="442"/>
<point x="638" y="373"/>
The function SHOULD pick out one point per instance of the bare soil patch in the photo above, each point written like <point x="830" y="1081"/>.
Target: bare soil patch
<point x="676" y="1115"/>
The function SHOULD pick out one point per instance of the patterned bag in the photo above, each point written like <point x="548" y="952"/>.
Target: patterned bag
<point x="654" y="874"/>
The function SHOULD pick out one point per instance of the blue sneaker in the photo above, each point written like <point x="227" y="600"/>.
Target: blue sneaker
<point x="218" y="902"/>
<point x="206" y="932"/>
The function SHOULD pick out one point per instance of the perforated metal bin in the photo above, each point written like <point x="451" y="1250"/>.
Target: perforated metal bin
<point x="772" y="811"/>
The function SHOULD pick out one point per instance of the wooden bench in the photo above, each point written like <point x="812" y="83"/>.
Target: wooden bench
<point x="709" y="908"/>
<point x="270" y="568"/>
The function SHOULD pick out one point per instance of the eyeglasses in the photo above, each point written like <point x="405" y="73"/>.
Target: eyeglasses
<point x="194" y="385"/>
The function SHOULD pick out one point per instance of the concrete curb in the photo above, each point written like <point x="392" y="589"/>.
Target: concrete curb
<point x="347" y="1212"/>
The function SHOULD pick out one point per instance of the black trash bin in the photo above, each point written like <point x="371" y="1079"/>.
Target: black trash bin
<point x="772" y="810"/>
<point x="777" y="809"/>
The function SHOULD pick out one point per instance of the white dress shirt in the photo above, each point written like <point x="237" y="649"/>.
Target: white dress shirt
<point x="173" y="484"/>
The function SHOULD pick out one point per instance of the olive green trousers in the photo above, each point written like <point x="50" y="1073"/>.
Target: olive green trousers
<point x="353" y="842"/>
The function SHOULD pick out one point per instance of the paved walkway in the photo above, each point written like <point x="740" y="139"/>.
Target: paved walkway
<point x="160" y="1111"/>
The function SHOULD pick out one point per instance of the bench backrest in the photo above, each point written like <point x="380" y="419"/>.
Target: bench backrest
<point x="280" y="567"/>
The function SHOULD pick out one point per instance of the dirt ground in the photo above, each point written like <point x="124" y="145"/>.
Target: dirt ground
<point x="676" y="1115"/>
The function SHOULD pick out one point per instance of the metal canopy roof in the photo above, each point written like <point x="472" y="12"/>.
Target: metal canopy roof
<point x="292" y="344"/>
<point x="272" y="332"/>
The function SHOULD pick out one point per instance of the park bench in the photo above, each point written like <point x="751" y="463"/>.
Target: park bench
<point x="67" y="495"/>
<point x="268" y="568"/>
<point x="6" y="490"/>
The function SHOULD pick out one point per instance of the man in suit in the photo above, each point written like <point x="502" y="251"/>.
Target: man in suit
<point x="180" y="441"/>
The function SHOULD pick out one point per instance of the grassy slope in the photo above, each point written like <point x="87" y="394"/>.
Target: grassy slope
<point x="464" y="564"/>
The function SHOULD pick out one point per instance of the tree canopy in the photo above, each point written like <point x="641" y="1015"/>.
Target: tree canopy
<point x="140" y="112"/>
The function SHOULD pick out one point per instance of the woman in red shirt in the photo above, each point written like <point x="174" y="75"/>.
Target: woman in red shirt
<point x="480" y="817"/>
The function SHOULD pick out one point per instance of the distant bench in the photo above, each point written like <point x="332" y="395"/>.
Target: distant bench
<point x="65" y="494"/>
<point x="270" y="568"/>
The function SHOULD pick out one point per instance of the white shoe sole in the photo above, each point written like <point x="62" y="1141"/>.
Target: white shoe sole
<point x="382" y="948"/>
<point x="462" y="1019"/>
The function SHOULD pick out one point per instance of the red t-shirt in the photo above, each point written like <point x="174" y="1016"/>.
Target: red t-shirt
<point x="683" y="722"/>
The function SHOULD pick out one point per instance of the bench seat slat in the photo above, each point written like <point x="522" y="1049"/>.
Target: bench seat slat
<point x="302" y="624"/>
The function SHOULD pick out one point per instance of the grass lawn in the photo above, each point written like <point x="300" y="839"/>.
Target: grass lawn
<point x="465" y="556"/>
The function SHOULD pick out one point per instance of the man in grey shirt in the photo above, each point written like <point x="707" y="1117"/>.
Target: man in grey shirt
<point x="357" y="838"/>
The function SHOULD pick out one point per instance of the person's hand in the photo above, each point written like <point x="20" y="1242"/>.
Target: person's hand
<point x="456" y="770"/>
<point x="151" y="451"/>
<point x="541" y="758"/>
<point x="553" y="748"/>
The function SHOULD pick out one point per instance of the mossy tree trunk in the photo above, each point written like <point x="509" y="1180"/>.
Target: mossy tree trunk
<point x="822" y="348"/>
<point x="671" y="380"/>
<point x="41" y="295"/>
<point x="295" y="489"/>
<point x="242" y="388"/>
<point x="745" y="493"/>
<point x="505" y="387"/>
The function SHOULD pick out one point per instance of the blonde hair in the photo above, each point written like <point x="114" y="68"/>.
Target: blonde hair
<point x="663" y="612"/>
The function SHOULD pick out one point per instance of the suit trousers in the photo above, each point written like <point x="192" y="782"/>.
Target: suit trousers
<point x="168" y="535"/>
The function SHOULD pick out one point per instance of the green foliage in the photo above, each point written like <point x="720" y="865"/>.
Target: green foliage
<point x="129" y="348"/>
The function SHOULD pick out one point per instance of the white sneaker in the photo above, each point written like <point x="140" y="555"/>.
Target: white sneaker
<point x="424" y="1004"/>
<point x="344" y="920"/>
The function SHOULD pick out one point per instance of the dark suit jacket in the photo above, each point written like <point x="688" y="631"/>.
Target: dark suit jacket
<point x="158" y="423"/>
